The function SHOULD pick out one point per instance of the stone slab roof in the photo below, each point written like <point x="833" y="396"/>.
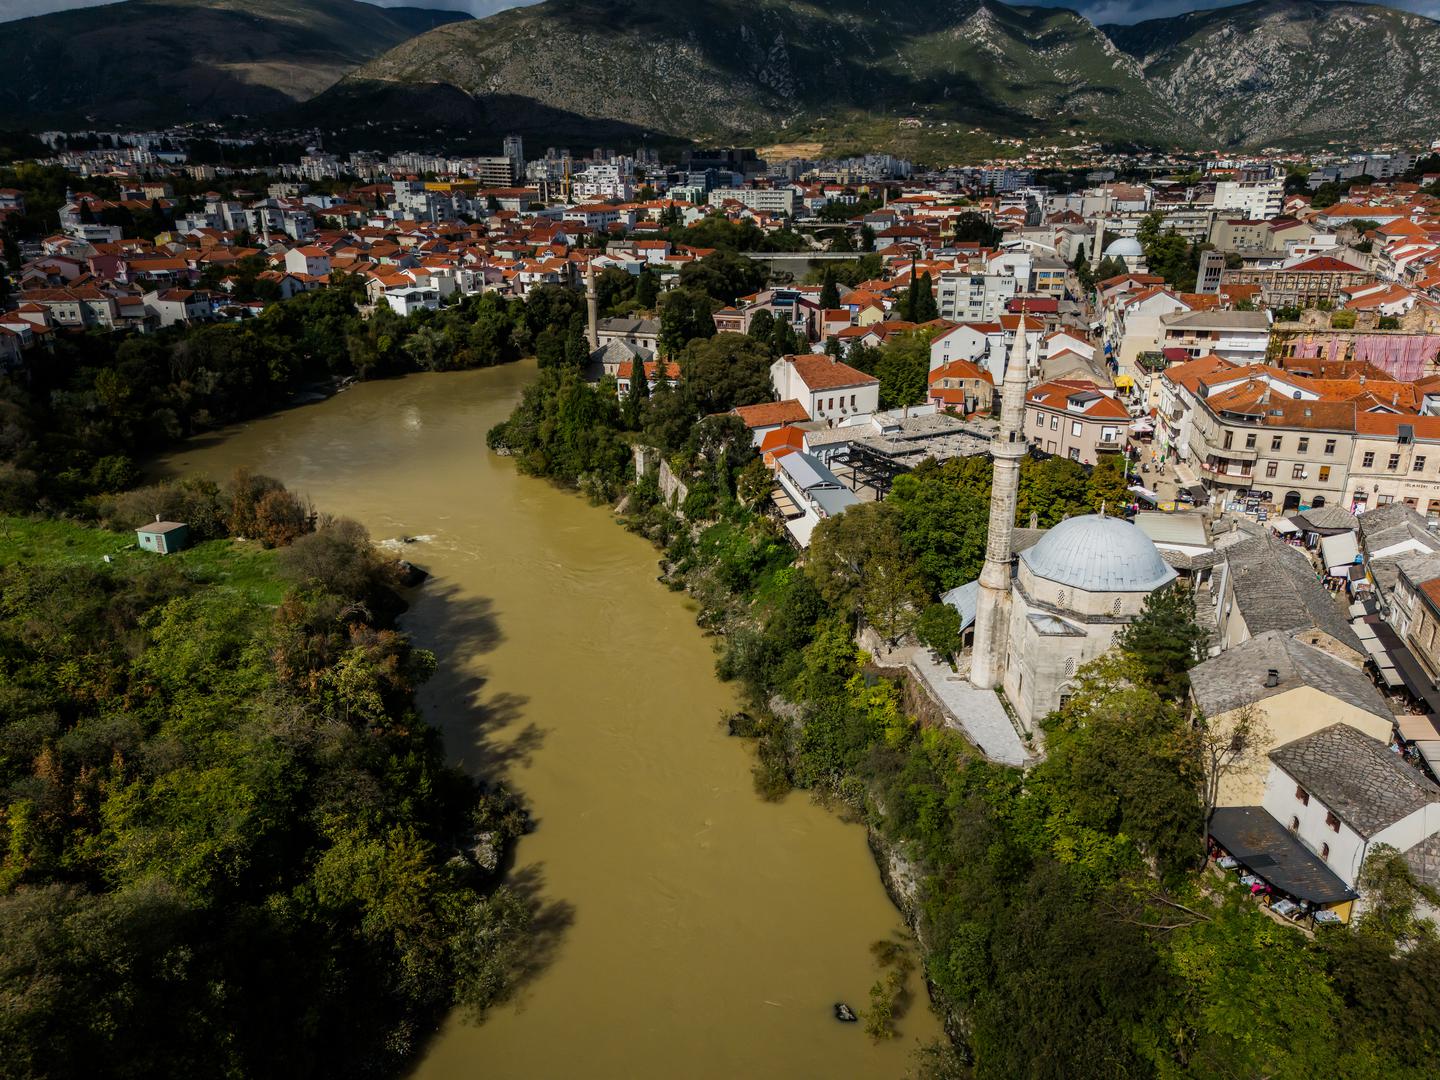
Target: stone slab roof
<point x="1276" y="589"/>
<point x="1237" y="676"/>
<point x="1359" y="780"/>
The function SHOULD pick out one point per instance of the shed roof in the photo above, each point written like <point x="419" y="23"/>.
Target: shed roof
<point x="1263" y="845"/>
<point x="157" y="528"/>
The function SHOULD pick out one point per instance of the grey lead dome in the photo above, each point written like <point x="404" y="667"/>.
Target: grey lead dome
<point x="1125" y="248"/>
<point x="1099" y="554"/>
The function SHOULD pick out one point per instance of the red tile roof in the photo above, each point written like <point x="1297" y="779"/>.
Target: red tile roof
<point x="770" y="413"/>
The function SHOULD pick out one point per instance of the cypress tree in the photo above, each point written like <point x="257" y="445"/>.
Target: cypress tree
<point x="829" y="292"/>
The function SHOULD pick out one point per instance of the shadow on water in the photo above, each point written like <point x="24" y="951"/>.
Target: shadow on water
<point x="483" y="731"/>
<point x="551" y="919"/>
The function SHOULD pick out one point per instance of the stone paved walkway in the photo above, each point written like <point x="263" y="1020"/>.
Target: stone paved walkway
<point x="976" y="714"/>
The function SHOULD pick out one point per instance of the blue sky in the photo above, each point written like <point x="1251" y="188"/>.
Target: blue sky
<point x="1101" y="11"/>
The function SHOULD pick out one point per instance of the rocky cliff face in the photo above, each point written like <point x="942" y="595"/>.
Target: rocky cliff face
<point x="744" y="70"/>
<point x="1277" y="69"/>
<point x="730" y="68"/>
<point x="1248" y="75"/>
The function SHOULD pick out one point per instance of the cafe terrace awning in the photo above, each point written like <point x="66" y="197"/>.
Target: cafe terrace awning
<point x="1265" y="848"/>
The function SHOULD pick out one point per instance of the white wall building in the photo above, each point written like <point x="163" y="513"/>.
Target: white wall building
<point x="1258" y="200"/>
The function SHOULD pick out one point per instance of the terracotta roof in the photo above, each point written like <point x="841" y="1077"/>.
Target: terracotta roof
<point x="786" y="436"/>
<point x="960" y="369"/>
<point x="819" y="372"/>
<point x="770" y="413"/>
<point x="1057" y="393"/>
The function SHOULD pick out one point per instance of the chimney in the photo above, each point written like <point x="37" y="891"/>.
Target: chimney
<point x="1272" y="678"/>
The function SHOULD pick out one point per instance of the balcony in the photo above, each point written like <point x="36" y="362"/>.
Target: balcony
<point x="1227" y="471"/>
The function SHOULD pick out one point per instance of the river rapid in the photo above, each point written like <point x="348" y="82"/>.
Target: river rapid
<point x="689" y="929"/>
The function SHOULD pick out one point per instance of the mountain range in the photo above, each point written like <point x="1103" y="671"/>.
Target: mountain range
<point x="158" y="61"/>
<point x="1266" y="72"/>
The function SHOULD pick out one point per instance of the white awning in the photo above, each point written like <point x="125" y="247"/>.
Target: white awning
<point x="1284" y="526"/>
<point x="1339" y="552"/>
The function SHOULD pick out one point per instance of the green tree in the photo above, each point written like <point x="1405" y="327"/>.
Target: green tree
<point x="724" y="371"/>
<point x="938" y="628"/>
<point x="685" y="315"/>
<point x="1166" y="641"/>
<point x="903" y="368"/>
<point x="829" y="293"/>
<point x="1106" y="487"/>
<point x="647" y="289"/>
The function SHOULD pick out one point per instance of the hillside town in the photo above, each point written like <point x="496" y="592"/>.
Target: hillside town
<point x="1248" y="346"/>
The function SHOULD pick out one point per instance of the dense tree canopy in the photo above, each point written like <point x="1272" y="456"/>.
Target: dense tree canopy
<point x="228" y="844"/>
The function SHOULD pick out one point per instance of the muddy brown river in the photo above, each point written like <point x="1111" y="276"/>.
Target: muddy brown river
<point x="691" y="929"/>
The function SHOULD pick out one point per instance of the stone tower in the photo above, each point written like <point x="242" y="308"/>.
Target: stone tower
<point x="992" y="609"/>
<point x="592" y="307"/>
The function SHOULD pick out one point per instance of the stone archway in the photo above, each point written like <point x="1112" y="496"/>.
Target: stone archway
<point x="1292" y="502"/>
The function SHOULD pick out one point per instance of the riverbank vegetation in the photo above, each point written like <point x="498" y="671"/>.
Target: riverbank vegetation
<point x="88" y="412"/>
<point x="229" y="845"/>
<point x="1067" y="927"/>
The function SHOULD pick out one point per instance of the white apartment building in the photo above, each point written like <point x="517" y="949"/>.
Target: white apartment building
<point x="1258" y="200"/>
<point x="778" y="200"/>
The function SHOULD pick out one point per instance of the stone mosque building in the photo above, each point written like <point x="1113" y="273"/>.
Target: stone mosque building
<point x="1041" y="617"/>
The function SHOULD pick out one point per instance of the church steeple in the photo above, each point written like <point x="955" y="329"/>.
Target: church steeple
<point x="992" y="612"/>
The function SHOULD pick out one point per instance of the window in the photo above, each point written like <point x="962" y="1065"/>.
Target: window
<point x="1069" y="666"/>
<point x="1054" y="423"/>
<point x="852" y="401"/>
<point x="1329" y="446"/>
<point x="1271" y="468"/>
<point x="1304" y="445"/>
<point x="1418" y="465"/>
<point x="1325" y="851"/>
<point x="1324" y="473"/>
<point x="1229" y="439"/>
<point x="1075" y="427"/>
<point x="1297" y="472"/>
<point x="1385" y="500"/>
<point x="1060" y="598"/>
<point x="1074" y="454"/>
<point x="1332" y="821"/>
<point x="1294" y="824"/>
<point x="1115" y="607"/>
<point x="1276" y="442"/>
<point x="1368" y="460"/>
<point x="1302" y="795"/>
<point x="1039" y="419"/>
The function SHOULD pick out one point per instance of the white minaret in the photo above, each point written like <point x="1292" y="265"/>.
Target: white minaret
<point x="992" y="610"/>
<point x="592" y="307"/>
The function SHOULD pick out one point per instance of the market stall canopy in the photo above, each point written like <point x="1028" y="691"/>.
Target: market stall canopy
<point x="1417" y="728"/>
<point x="1339" y="552"/>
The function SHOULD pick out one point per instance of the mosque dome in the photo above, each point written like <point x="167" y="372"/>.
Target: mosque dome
<point x="1125" y="248"/>
<point x="1099" y="554"/>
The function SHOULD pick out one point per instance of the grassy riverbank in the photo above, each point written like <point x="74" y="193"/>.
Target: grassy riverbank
<point x="228" y="842"/>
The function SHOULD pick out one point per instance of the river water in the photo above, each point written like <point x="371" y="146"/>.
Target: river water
<point x="692" y="930"/>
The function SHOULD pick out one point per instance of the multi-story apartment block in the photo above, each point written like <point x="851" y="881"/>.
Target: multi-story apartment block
<point x="1256" y="435"/>
<point x="1241" y="336"/>
<point x="1076" y="419"/>
<point x="1256" y="199"/>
